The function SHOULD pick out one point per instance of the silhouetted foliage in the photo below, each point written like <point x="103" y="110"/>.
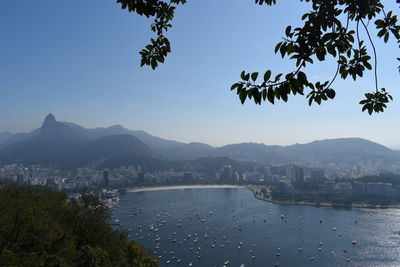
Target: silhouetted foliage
<point x="40" y="227"/>
<point x="331" y="27"/>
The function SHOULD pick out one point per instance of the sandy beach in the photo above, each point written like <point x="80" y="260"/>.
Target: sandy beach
<point x="175" y="187"/>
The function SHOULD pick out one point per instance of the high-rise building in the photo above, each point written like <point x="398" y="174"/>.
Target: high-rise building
<point x="329" y="188"/>
<point x="227" y="172"/>
<point x="343" y="188"/>
<point x="298" y="174"/>
<point x="295" y="173"/>
<point x="317" y="174"/>
<point x="290" y="172"/>
<point x="267" y="174"/>
<point x="106" y="178"/>
<point x="140" y="178"/>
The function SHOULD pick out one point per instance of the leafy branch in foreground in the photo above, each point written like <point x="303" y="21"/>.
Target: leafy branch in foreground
<point x="163" y="13"/>
<point x="330" y="28"/>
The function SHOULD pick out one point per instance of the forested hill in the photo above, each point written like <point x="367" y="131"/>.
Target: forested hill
<point x="39" y="227"/>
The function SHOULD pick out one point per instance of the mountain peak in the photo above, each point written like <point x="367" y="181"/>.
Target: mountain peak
<point x="117" y="127"/>
<point x="53" y="129"/>
<point x="49" y="120"/>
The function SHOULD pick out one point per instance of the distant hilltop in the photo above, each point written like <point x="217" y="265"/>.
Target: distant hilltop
<point x="71" y="145"/>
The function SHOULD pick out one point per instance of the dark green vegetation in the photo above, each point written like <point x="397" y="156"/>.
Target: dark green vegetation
<point x="330" y="28"/>
<point x="39" y="227"/>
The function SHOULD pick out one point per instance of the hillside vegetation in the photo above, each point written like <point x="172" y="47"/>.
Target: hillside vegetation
<point x="40" y="227"/>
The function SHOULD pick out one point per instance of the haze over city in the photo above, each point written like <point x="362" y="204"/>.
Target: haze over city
<point x="81" y="62"/>
<point x="131" y="133"/>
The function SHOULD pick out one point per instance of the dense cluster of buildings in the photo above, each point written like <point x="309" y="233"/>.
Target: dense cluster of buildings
<point x="285" y="177"/>
<point x="90" y="178"/>
<point x="135" y="176"/>
<point x="362" y="190"/>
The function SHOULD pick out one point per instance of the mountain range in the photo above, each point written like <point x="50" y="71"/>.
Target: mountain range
<point x="70" y="145"/>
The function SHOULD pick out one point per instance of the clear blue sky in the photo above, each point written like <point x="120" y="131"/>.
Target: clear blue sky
<point x="79" y="60"/>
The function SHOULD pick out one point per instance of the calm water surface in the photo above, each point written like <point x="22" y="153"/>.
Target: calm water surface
<point x="208" y="227"/>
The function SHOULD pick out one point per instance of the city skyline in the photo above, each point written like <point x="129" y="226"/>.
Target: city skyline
<point x="81" y="62"/>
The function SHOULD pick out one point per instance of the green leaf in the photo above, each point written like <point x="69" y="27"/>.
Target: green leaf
<point x="287" y="31"/>
<point x="254" y="76"/>
<point x="271" y="95"/>
<point x="310" y="100"/>
<point x="234" y="86"/>
<point x="367" y="65"/>
<point x="283" y="50"/>
<point x="284" y="96"/>
<point x="331" y="93"/>
<point x="278" y="45"/>
<point x="267" y="75"/>
<point x="242" y="75"/>
<point x="242" y="96"/>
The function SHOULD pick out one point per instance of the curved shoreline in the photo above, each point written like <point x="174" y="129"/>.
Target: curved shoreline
<point x="324" y="204"/>
<point x="254" y="189"/>
<point x="177" y="187"/>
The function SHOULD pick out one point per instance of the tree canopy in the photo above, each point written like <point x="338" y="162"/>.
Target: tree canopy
<point x="40" y="227"/>
<point x="331" y="28"/>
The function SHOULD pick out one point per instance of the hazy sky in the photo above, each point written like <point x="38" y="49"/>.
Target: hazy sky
<point x="79" y="60"/>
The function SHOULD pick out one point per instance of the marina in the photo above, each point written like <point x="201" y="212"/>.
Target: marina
<point x="229" y="227"/>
